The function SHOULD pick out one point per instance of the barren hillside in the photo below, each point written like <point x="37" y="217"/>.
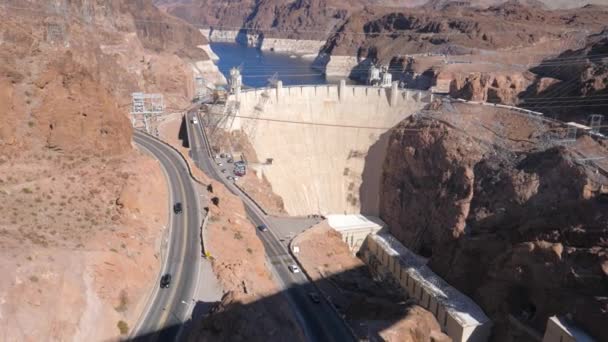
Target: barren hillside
<point x="81" y="207"/>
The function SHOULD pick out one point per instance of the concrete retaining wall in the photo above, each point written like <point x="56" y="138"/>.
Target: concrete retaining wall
<point x="327" y="142"/>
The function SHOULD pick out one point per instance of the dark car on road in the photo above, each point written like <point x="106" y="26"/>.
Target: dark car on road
<point x="165" y="281"/>
<point x="177" y="208"/>
<point x="314" y="297"/>
<point x="263" y="228"/>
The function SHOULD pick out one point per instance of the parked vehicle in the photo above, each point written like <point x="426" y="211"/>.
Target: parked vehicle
<point x="194" y="121"/>
<point x="165" y="281"/>
<point x="239" y="170"/>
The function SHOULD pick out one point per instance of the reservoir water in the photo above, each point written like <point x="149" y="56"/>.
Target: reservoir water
<point x="259" y="66"/>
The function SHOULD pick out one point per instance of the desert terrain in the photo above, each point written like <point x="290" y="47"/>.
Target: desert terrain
<point x="507" y="206"/>
<point x="83" y="211"/>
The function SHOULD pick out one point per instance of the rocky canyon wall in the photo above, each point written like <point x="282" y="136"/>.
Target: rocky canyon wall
<point x="519" y="226"/>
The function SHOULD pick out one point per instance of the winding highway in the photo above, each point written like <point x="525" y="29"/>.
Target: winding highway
<point x="168" y="308"/>
<point x="318" y="321"/>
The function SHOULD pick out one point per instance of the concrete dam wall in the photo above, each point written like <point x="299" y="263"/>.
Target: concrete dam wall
<point x="327" y="143"/>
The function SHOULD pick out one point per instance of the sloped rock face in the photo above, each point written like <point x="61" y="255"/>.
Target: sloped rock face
<point x="77" y="113"/>
<point x="454" y="29"/>
<point x="490" y="87"/>
<point x="525" y="235"/>
<point x="79" y="207"/>
<point x="579" y="81"/>
<point x="69" y="74"/>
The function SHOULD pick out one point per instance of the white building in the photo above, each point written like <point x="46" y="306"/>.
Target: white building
<point x="459" y="317"/>
<point x="355" y="228"/>
<point x="560" y="329"/>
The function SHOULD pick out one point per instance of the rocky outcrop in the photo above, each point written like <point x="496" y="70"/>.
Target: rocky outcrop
<point x="77" y="113"/>
<point x="571" y="85"/>
<point x="300" y="46"/>
<point x="490" y="87"/>
<point x="87" y="67"/>
<point x="521" y="229"/>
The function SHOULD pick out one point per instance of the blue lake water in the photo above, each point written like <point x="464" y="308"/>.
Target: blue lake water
<point x="259" y="66"/>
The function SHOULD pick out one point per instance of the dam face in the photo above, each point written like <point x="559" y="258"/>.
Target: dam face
<point x="327" y="143"/>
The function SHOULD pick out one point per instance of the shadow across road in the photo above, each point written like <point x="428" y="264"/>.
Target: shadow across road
<point x="370" y="306"/>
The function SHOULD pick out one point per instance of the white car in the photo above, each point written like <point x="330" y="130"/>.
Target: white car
<point x="194" y="121"/>
<point x="219" y="164"/>
<point x="294" y="268"/>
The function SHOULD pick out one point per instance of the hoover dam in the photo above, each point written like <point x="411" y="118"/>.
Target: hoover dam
<point x="326" y="142"/>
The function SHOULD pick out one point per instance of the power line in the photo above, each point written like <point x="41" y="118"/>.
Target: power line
<point x="310" y="123"/>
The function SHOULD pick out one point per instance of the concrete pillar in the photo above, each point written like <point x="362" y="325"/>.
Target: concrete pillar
<point x="419" y="96"/>
<point x="407" y="95"/>
<point x="237" y="93"/>
<point x="279" y="90"/>
<point x="432" y="95"/>
<point x="394" y="93"/>
<point x="342" y="90"/>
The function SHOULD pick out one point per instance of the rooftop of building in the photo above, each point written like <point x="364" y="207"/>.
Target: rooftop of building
<point x="459" y="306"/>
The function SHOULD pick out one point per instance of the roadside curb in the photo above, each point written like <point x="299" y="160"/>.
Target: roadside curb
<point x="251" y="199"/>
<point x="162" y="253"/>
<point x="211" y="156"/>
<point x="203" y="230"/>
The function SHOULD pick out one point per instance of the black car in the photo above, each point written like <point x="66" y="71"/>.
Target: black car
<point x="314" y="297"/>
<point x="263" y="228"/>
<point x="177" y="208"/>
<point x="165" y="280"/>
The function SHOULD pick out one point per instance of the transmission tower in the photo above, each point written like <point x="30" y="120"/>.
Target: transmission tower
<point x="259" y="108"/>
<point x="595" y="123"/>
